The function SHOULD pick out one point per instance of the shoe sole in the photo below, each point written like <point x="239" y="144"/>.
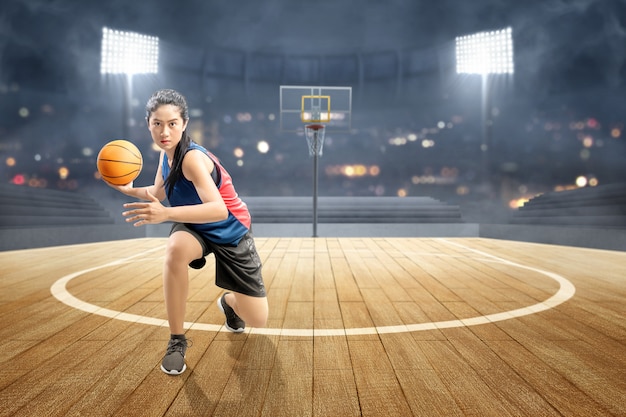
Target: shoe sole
<point x="174" y="371"/>
<point x="221" y="307"/>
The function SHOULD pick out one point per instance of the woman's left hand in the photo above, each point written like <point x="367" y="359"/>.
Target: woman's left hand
<point x="150" y="212"/>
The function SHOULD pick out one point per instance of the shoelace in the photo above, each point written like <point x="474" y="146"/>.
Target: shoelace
<point x="178" y="345"/>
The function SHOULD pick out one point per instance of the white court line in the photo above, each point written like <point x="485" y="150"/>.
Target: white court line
<point x="565" y="292"/>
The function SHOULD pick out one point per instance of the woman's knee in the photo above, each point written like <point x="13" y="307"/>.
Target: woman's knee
<point x="182" y="248"/>
<point x="258" y="320"/>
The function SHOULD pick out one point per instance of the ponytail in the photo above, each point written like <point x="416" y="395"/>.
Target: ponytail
<point x="176" y="172"/>
<point x="173" y="97"/>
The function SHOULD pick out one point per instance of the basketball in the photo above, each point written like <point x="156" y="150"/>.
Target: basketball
<point x="119" y="162"/>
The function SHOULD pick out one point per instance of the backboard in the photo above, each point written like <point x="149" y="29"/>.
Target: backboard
<point x="303" y="105"/>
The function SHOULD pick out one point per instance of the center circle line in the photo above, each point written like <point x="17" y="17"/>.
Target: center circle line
<point x="565" y="292"/>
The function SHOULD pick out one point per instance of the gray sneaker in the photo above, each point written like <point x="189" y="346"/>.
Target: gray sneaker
<point x="174" y="360"/>
<point x="233" y="321"/>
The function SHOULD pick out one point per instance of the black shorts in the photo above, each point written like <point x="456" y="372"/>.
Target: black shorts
<point x="237" y="268"/>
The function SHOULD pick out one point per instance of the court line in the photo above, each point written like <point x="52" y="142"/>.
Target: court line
<point x="565" y="292"/>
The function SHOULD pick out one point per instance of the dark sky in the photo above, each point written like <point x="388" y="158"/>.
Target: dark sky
<point x="578" y="38"/>
<point x="319" y="26"/>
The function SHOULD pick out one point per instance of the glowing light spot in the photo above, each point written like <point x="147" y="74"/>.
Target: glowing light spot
<point x="517" y="202"/>
<point x="585" y="154"/>
<point x="10" y="161"/>
<point x="244" y="117"/>
<point x="581" y="181"/>
<point x="360" y="170"/>
<point x="64" y="172"/>
<point x="374" y="170"/>
<point x="262" y="146"/>
<point x="19" y="179"/>
<point x="238" y="152"/>
<point x="462" y="190"/>
<point x="397" y="141"/>
<point x="128" y="53"/>
<point x="485" y="53"/>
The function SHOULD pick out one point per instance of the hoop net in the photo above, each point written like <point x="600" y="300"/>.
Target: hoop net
<point x="314" y="134"/>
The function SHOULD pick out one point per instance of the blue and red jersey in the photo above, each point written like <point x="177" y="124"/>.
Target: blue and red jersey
<point x="228" y="231"/>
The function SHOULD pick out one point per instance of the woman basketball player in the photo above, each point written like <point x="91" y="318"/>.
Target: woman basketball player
<point x="208" y="217"/>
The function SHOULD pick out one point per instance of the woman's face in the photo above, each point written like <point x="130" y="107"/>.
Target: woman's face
<point x="166" y="127"/>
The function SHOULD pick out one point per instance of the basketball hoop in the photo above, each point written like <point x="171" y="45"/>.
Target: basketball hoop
<point x="314" y="134"/>
<point x="314" y="112"/>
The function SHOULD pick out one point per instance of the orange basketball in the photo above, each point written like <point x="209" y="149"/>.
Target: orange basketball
<point x="119" y="162"/>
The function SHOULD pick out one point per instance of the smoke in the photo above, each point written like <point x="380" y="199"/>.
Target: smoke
<point x="304" y="27"/>
<point x="561" y="44"/>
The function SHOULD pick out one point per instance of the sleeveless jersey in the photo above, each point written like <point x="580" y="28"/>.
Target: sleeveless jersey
<point x="228" y="231"/>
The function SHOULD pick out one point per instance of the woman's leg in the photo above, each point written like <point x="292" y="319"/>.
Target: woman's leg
<point x="182" y="248"/>
<point x="252" y="310"/>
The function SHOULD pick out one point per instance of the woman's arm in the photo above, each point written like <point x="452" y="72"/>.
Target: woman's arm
<point x="197" y="168"/>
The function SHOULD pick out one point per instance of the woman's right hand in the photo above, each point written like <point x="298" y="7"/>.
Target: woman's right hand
<point x="124" y="189"/>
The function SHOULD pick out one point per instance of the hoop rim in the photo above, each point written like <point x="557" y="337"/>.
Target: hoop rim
<point x="315" y="126"/>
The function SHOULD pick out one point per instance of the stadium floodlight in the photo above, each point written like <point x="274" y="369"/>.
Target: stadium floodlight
<point x="128" y="53"/>
<point x="485" y="53"/>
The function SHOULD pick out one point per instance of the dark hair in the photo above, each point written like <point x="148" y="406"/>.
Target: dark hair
<point x="161" y="98"/>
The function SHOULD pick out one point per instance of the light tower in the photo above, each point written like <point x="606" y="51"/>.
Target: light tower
<point x="485" y="54"/>
<point x="128" y="53"/>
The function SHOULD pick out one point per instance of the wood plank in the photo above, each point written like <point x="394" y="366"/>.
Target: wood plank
<point x="290" y="388"/>
<point x="110" y="392"/>
<point x="565" y="397"/>
<point x="380" y="393"/>
<point x="503" y="382"/>
<point x="203" y="389"/>
<point x="331" y="353"/>
<point x="302" y="287"/>
<point x="335" y="393"/>
<point x="244" y="394"/>
<point x="472" y="395"/>
<point x="566" y="361"/>
<point x="347" y="288"/>
<point x="404" y="353"/>
<point x="22" y="387"/>
<point x="426" y="394"/>
<point x="326" y="313"/>
<point x="356" y="316"/>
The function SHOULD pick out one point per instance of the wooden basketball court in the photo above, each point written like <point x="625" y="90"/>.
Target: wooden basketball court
<point x="358" y="327"/>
